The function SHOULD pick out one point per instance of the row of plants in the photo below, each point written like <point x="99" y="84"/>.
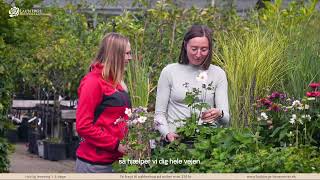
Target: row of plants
<point x="7" y="76"/>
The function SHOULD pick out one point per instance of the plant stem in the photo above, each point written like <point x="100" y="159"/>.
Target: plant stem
<point x="297" y="134"/>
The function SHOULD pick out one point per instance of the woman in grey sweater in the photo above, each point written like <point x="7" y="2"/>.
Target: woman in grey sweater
<point x="194" y="60"/>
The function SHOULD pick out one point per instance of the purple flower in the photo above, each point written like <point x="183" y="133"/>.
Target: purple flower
<point x="283" y="96"/>
<point x="274" y="95"/>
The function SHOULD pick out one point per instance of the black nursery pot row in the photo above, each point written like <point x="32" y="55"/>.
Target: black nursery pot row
<point x="51" y="150"/>
<point x="59" y="151"/>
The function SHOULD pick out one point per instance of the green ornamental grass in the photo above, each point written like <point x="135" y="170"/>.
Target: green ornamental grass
<point x="252" y="61"/>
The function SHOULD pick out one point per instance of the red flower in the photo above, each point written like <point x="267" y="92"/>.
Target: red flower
<point x="309" y="94"/>
<point x="314" y="85"/>
<point x="313" y="94"/>
<point x="275" y="107"/>
<point x="265" y="102"/>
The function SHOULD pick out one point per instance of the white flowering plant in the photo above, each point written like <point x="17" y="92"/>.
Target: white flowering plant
<point x="284" y="121"/>
<point x="195" y="99"/>
<point x="140" y="139"/>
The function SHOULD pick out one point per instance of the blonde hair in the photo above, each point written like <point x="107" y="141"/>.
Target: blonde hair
<point x="112" y="55"/>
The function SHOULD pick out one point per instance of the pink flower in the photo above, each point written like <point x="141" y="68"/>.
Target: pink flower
<point x="269" y="122"/>
<point x="314" y="85"/>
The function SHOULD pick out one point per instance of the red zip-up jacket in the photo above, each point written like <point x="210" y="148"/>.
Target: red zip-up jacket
<point x="99" y="106"/>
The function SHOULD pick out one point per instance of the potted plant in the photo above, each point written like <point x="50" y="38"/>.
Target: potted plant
<point x="195" y="99"/>
<point x="54" y="146"/>
<point x="56" y="150"/>
<point x="141" y="138"/>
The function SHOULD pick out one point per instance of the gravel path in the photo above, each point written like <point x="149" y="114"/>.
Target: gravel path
<point x="21" y="161"/>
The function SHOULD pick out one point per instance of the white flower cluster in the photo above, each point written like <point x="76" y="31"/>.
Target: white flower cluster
<point x="128" y="112"/>
<point x="297" y="104"/>
<point x="264" y="116"/>
<point x="294" y="118"/>
<point x="134" y="116"/>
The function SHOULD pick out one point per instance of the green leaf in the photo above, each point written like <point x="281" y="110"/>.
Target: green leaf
<point x="132" y="169"/>
<point x="2" y="70"/>
<point x="203" y="145"/>
<point x="282" y="134"/>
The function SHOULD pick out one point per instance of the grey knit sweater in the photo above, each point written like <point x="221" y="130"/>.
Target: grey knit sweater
<point x="171" y="93"/>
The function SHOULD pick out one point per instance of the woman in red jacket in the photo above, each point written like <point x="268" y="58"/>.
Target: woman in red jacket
<point x="103" y="99"/>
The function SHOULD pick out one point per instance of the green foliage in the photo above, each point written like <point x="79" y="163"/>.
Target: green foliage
<point x="278" y="160"/>
<point x="195" y="99"/>
<point x="4" y="152"/>
<point x="252" y="62"/>
<point x="215" y="148"/>
<point x="303" y="58"/>
<point x="61" y="56"/>
<point x="138" y="81"/>
<point x="286" y="20"/>
<point x="298" y="23"/>
<point x="56" y="56"/>
<point x="7" y="73"/>
<point x="230" y="151"/>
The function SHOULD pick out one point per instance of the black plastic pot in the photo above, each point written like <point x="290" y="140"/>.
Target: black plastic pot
<point x="45" y="149"/>
<point x="12" y="135"/>
<point x="56" y="151"/>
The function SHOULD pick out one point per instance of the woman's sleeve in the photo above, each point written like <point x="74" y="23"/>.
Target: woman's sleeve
<point x="90" y="96"/>
<point x="221" y="97"/>
<point x="163" y="95"/>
